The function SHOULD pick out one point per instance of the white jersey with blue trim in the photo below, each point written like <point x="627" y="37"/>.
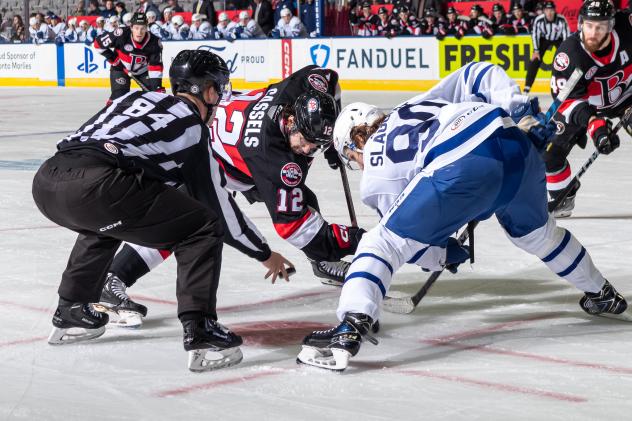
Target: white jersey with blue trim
<point x="446" y="115"/>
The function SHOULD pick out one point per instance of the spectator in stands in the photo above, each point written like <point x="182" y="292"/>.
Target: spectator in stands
<point x="407" y="22"/>
<point x="174" y="6"/>
<point x="146" y="6"/>
<point x="109" y="10"/>
<point x="455" y="25"/>
<point x="121" y="10"/>
<point x="93" y="8"/>
<point x="263" y="15"/>
<point x="364" y="23"/>
<point x="200" y="27"/>
<point x="225" y="26"/>
<point x="205" y="7"/>
<point x="500" y="21"/>
<point x="519" y="20"/>
<point x="247" y="27"/>
<point x="39" y="32"/>
<point x="479" y="23"/>
<point x="78" y="9"/>
<point x="289" y="26"/>
<point x="11" y="30"/>
<point x="307" y="15"/>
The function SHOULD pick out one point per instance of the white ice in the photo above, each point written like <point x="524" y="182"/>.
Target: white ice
<point x="504" y="339"/>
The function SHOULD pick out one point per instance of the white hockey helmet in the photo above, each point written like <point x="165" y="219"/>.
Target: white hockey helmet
<point x="243" y="15"/>
<point x="127" y="18"/>
<point x="223" y="17"/>
<point x="72" y="22"/>
<point x="354" y="114"/>
<point x="197" y="17"/>
<point x="177" y="20"/>
<point x="113" y="19"/>
<point x="151" y="14"/>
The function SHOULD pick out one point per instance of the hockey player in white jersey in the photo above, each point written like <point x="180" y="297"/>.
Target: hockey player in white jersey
<point x="200" y="27"/>
<point x="465" y="160"/>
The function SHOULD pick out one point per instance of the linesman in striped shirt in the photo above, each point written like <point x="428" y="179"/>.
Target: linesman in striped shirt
<point x="549" y="29"/>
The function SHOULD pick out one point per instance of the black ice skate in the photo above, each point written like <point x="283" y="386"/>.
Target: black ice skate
<point x="331" y="349"/>
<point x="607" y="302"/>
<point x="75" y="322"/>
<point x="331" y="273"/>
<point x="564" y="209"/>
<point x="115" y="301"/>
<point x="211" y="346"/>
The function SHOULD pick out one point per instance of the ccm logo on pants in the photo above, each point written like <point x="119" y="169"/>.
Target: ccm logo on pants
<point x="109" y="227"/>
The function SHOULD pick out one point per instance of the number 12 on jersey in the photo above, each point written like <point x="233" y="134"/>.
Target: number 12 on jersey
<point x="290" y="201"/>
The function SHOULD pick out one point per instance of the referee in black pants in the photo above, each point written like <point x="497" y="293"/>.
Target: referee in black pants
<point x="548" y="29"/>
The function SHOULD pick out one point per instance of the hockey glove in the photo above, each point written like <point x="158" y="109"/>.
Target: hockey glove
<point x="161" y="90"/>
<point x="331" y="155"/>
<point x="455" y="254"/>
<point x="600" y="131"/>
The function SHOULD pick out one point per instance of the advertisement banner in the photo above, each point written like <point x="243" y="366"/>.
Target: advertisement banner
<point x="377" y="60"/>
<point x="512" y="53"/>
<point x="81" y="61"/>
<point x="20" y="63"/>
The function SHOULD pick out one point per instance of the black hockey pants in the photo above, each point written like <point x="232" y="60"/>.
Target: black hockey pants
<point x="107" y="205"/>
<point x="534" y="65"/>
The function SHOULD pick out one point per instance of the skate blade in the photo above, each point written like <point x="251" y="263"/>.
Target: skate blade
<point x="562" y="214"/>
<point x="626" y="316"/>
<point x="63" y="336"/>
<point x="199" y="363"/>
<point x="333" y="360"/>
<point x="399" y="305"/>
<point x="331" y="282"/>
<point x="122" y="318"/>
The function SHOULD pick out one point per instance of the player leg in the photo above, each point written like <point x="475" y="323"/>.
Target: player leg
<point x="532" y="72"/>
<point x="558" y="170"/>
<point x="530" y="227"/>
<point x="120" y="84"/>
<point x="428" y="211"/>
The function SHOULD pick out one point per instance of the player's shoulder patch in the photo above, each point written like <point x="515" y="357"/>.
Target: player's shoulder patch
<point x="291" y="174"/>
<point x="561" y="61"/>
<point x="318" y="82"/>
<point x="591" y="72"/>
<point x="128" y="47"/>
<point x="118" y="32"/>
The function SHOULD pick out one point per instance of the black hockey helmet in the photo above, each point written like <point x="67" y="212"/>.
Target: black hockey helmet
<point x="498" y="8"/>
<point x="315" y="115"/>
<point x="404" y="9"/>
<point x="382" y="10"/>
<point x="138" y="18"/>
<point x="477" y="8"/>
<point x="192" y="71"/>
<point x="451" y="10"/>
<point x="548" y="5"/>
<point x="596" y="10"/>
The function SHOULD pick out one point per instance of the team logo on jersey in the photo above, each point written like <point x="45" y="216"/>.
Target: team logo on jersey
<point x="118" y="32"/>
<point x="560" y="127"/>
<point x="591" y="72"/>
<point x="312" y="105"/>
<point x="120" y="80"/>
<point x="128" y="48"/>
<point x="111" y="148"/>
<point x="194" y="89"/>
<point x="291" y="174"/>
<point x="561" y="62"/>
<point x="318" y="82"/>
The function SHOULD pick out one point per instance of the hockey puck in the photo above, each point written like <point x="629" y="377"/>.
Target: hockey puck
<point x="290" y="271"/>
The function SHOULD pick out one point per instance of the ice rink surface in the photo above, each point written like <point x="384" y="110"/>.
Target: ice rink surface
<point x="504" y="339"/>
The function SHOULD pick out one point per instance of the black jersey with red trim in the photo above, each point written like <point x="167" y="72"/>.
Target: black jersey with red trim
<point x="607" y="74"/>
<point x="137" y="58"/>
<point x="248" y="141"/>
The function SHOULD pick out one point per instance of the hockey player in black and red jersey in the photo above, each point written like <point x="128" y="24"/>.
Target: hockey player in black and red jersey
<point x="455" y="25"/>
<point x="265" y="141"/>
<point x="602" y="49"/>
<point x="132" y="50"/>
<point x="407" y="22"/>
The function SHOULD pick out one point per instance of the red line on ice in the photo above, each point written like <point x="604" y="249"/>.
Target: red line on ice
<point x="497" y="386"/>
<point x="29" y="228"/>
<point x="22" y="341"/>
<point x="27" y="307"/>
<point x="217" y="383"/>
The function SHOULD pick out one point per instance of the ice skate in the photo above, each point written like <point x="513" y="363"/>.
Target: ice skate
<point x="565" y="209"/>
<point x="607" y="303"/>
<point x="211" y="346"/>
<point x="115" y="301"/>
<point x="331" y="273"/>
<point x="331" y="349"/>
<point x="76" y="322"/>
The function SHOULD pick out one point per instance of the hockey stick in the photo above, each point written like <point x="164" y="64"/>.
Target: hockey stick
<point x="138" y="82"/>
<point x="405" y="305"/>
<point x="555" y="203"/>
<point x="347" y="190"/>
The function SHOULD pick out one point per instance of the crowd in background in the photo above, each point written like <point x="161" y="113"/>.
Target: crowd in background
<point x="276" y="19"/>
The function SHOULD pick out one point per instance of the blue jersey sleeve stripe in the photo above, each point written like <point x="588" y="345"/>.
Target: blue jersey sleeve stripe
<point x="466" y="74"/>
<point x="370" y="277"/>
<point x="418" y="255"/>
<point x="479" y="78"/>
<point x="572" y="267"/>
<point x="467" y="133"/>
<point x="552" y="255"/>
<point x="388" y="265"/>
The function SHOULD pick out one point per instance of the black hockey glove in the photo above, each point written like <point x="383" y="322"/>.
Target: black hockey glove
<point x="331" y="154"/>
<point x="455" y="254"/>
<point x="600" y="131"/>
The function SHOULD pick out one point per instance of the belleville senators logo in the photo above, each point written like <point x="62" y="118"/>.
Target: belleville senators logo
<point x="561" y="62"/>
<point x="291" y="174"/>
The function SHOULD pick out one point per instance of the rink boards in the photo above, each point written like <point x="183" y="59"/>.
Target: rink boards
<point x="397" y="64"/>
